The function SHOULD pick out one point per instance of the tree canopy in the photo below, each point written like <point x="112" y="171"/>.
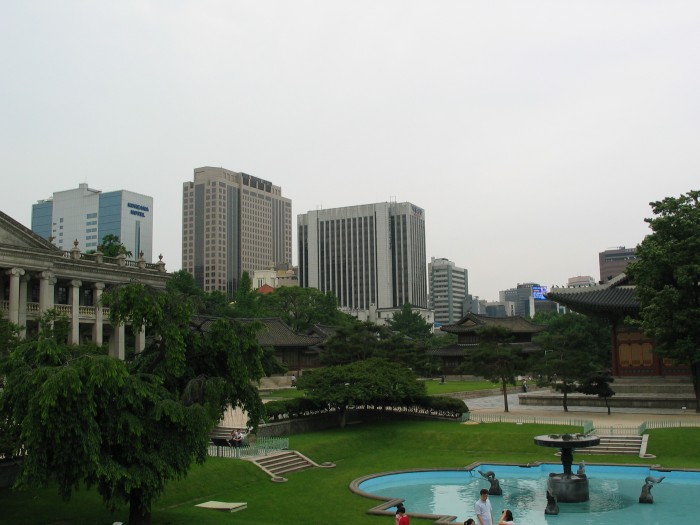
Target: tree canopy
<point x="111" y="246"/>
<point x="127" y="427"/>
<point x="374" y="381"/>
<point x="410" y="323"/>
<point x="667" y="279"/>
<point x="574" y="347"/>
<point x="495" y="359"/>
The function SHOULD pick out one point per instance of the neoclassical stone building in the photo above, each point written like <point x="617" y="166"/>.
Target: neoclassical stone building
<point x="35" y="276"/>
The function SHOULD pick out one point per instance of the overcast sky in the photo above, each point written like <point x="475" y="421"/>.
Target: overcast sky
<point x="533" y="133"/>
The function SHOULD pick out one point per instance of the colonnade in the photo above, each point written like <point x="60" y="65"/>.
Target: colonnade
<point x="81" y="305"/>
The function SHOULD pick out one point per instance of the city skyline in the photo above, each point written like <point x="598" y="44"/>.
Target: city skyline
<point x="534" y="136"/>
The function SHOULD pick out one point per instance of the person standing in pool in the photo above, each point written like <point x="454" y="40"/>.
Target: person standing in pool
<point x="482" y="508"/>
<point x="404" y="519"/>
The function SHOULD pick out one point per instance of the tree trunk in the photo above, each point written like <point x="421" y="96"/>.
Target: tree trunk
<point x="504" y="387"/>
<point x="565" y="399"/>
<point x="342" y="415"/>
<point x="607" y="405"/>
<point x="695" y="371"/>
<point x="139" y="514"/>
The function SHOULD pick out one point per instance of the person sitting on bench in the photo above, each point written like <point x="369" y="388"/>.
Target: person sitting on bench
<point x="237" y="438"/>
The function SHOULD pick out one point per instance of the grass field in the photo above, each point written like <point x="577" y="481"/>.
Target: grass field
<point x="321" y="496"/>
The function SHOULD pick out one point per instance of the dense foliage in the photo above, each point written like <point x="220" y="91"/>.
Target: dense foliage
<point x="574" y="348"/>
<point x="127" y="427"/>
<point x="495" y="359"/>
<point x="667" y="279"/>
<point x="377" y="382"/>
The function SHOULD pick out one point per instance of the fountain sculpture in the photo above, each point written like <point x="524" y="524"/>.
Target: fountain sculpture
<point x="649" y="482"/>
<point x="495" y="488"/>
<point x="568" y="487"/>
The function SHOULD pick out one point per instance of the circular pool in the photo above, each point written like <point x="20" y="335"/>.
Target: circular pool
<point x="614" y="494"/>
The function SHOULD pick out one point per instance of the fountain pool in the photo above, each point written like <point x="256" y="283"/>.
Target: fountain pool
<point x="614" y="494"/>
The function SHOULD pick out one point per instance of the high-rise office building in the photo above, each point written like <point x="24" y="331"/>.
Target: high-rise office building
<point x="371" y="255"/>
<point x="87" y="215"/>
<point x="449" y="288"/>
<point x="613" y="261"/>
<point x="233" y="223"/>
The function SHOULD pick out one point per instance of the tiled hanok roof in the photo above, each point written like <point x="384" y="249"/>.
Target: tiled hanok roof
<point x="473" y="322"/>
<point x="615" y="296"/>
<point x="274" y="333"/>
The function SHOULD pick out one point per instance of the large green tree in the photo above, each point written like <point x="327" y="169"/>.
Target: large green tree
<point x="128" y="427"/>
<point x="495" y="359"/>
<point x="667" y="279"/>
<point x="376" y="382"/>
<point x="302" y="308"/>
<point x="574" y="347"/>
<point x="357" y="341"/>
<point x="410" y="323"/>
<point x="111" y="246"/>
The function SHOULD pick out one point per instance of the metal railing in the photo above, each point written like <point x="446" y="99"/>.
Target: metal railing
<point x="668" y="423"/>
<point x="262" y="446"/>
<point x="586" y="425"/>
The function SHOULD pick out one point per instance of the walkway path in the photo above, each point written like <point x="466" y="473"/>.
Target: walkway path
<point x="599" y="416"/>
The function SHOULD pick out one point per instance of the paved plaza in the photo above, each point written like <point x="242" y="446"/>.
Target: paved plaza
<point x="599" y="416"/>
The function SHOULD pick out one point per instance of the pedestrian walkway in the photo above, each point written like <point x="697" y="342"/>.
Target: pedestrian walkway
<point x="599" y="415"/>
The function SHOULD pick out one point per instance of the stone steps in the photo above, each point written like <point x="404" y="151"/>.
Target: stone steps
<point x="677" y="400"/>
<point x="283" y="463"/>
<point x="627" y="445"/>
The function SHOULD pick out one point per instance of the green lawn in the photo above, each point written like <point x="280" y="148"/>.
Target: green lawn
<point x="321" y="496"/>
<point x="435" y="387"/>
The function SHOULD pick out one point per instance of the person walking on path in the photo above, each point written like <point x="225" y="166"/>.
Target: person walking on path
<point x="482" y="508"/>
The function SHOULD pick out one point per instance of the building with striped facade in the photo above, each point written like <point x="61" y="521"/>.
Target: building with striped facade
<point x="233" y="223"/>
<point x="370" y="256"/>
<point x="449" y="288"/>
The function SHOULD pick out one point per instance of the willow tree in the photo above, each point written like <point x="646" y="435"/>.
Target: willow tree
<point x="128" y="427"/>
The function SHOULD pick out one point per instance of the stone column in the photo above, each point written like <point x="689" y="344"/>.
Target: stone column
<point x="14" y="274"/>
<point x="46" y="291"/>
<point x="116" y="343"/>
<point x="97" y="327"/>
<point x="23" y="295"/>
<point x="139" y="339"/>
<point x="74" y="337"/>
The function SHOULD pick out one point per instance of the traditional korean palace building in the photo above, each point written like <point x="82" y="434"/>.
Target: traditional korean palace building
<point x="467" y="331"/>
<point x="36" y="276"/>
<point x="615" y="301"/>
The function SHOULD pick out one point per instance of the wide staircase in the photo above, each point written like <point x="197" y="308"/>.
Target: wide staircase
<point x="283" y="463"/>
<point x="630" y="392"/>
<point x="627" y="445"/>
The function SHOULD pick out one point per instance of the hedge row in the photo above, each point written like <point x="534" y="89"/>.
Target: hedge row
<point x="428" y="405"/>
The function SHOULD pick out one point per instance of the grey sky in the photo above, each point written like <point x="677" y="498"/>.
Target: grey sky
<point x="534" y="133"/>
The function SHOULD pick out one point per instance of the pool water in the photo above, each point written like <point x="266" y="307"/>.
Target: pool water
<point x="614" y="494"/>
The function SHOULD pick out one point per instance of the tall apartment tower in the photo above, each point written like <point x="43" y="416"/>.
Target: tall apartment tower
<point x="613" y="261"/>
<point x="87" y="215"/>
<point x="232" y="223"/>
<point x="369" y="256"/>
<point x="449" y="287"/>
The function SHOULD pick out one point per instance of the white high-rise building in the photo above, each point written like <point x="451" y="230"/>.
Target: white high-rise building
<point x="449" y="288"/>
<point x="369" y="256"/>
<point x="233" y="223"/>
<point x="87" y="215"/>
